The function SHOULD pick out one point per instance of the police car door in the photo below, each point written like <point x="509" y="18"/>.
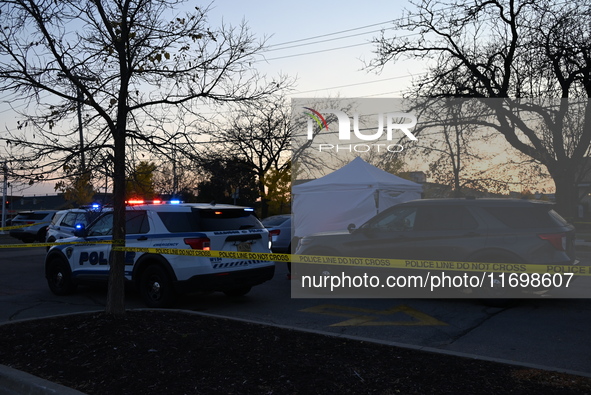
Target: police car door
<point x="137" y="230"/>
<point x="90" y="258"/>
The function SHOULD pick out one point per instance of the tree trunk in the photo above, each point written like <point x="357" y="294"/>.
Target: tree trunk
<point x="566" y="194"/>
<point x="263" y="194"/>
<point x="116" y="290"/>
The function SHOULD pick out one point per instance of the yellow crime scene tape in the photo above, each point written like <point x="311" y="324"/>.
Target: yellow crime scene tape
<point x="373" y="262"/>
<point x="22" y="226"/>
<point x="54" y="244"/>
<point x="577" y="270"/>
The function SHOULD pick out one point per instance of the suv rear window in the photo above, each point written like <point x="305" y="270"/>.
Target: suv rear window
<point x="526" y="217"/>
<point x="206" y="220"/>
<point x="31" y="216"/>
<point x="275" y="220"/>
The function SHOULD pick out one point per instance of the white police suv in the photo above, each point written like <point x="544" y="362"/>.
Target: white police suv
<point x="159" y="276"/>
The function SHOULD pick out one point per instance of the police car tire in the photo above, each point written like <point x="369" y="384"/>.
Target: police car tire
<point x="237" y="292"/>
<point x="59" y="277"/>
<point x="156" y="287"/>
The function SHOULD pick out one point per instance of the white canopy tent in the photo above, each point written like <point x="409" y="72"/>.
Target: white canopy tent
<point x="352" y="194"/>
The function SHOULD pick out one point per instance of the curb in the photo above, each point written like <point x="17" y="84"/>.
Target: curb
<point x="15" y="382"/>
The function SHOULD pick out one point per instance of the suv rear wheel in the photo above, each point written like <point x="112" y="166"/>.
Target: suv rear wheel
<point x="156" y="287"/>
<point x="41" y="234"/>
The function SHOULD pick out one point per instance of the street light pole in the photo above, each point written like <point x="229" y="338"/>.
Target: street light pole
<point x="79" y="102"/>
<point x="4" y="197"/>
<point x="80" y="97"/>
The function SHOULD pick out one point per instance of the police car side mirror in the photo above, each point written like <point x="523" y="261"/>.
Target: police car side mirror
<point x="351" y="228"/>
<point x="79" y="230"/>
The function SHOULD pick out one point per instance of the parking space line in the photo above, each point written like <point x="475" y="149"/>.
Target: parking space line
<point x="367" y="317"/>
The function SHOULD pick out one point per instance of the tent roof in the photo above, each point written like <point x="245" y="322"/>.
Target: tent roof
<point x="358" y="174"/>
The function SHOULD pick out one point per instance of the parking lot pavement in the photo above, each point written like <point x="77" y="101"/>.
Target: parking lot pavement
<point x="6" y="239"/>
<point x="550" y="332"/>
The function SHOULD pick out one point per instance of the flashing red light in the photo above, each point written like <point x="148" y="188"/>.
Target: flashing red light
<point x="157" y="201"/>
<point x="199" y="243"/>
<point x="135" y="201"/>
<point x="218" y="212"/>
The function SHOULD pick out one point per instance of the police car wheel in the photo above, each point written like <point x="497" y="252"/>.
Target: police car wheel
<point x="156" y="287"/>
<point x="236" y="292"/>
<point x="59" y="277"/>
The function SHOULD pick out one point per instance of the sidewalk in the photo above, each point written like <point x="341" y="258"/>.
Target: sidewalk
<point x="14" y="381"/>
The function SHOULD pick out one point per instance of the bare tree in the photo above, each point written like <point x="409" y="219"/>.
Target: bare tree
<point x="132" y="63"/>
<point x="533" y="58"/>
<point x="179" y="179"/>
<point x="458" y="148"/>
<point x="261" y="135"/>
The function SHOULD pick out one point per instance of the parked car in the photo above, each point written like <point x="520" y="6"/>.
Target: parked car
<point x="65" y="221"/>
<point x="458" y="230"/>
<point x="36" y="225"/>
<point x="279" y="227"/>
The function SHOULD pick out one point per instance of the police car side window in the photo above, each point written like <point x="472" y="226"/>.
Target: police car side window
<point x="69" y="220"/>
<point x="136" y="222"/>
<point x="103" y="226"/>
<point x="81" y="219"/>
<point x="178" y="222"/>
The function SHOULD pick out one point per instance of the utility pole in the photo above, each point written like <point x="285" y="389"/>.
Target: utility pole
<point x="79" y="102"/>
<point x="4" y="197"/>
<point x="80" y="98"/>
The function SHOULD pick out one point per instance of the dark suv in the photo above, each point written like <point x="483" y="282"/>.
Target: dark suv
<point x="461" y="230"/>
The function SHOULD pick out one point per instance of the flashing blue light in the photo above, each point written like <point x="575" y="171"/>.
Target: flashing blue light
<point x="249" y="209"/>
<point x="175" y="202"/>
<point x="78" y="226"/>
<point x="96" y="206"/>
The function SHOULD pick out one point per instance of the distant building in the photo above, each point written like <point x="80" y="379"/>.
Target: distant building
<point x="17" y="203"/>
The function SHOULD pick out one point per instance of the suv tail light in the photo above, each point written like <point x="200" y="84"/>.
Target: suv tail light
<point x="558" y="240"/>
<point x="274" y="232"/>
<point x="199" y="243"/>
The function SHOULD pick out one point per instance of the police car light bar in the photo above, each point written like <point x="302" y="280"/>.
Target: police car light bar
<point x="135" y="201"/>
<point x="132" y="202"/>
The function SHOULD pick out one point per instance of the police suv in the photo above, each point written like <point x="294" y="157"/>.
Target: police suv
<point x="158" y="276"/>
